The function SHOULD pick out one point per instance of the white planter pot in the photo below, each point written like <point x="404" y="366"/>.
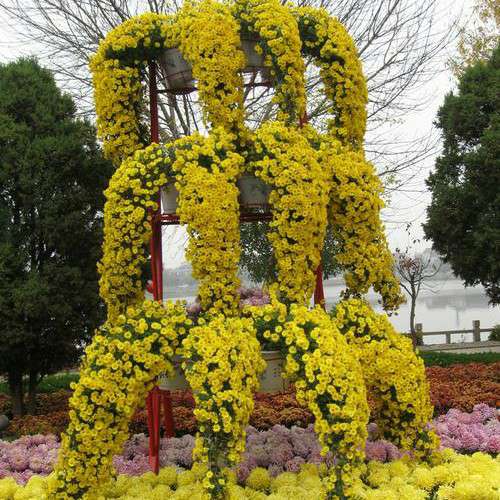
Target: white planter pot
<point x="179" y="75"/>
<point x="270" y="381"/>
<point x="169" y="195"/>
<point x="255" y="61"/>
<point x="253" y="191"/>
<point x="178" y="71"/>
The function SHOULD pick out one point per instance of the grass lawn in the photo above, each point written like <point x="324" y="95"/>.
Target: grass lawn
<point x="446" y="358"/>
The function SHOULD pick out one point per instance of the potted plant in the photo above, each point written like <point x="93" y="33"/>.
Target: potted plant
<point x="179" y="75"/>
<point x="271" y="379"/>
<point x="169" y="198"/>
<point x="254" y="192"/>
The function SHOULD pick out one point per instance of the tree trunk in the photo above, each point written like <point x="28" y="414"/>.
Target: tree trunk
<point x="31" y="401"/>
<point x="415" y="338"/>
<point x="16" y="393"/>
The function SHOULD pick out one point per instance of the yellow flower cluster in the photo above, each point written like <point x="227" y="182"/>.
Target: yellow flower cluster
<point x="326" y="40"/>
<point x="208" y="37"/>
<point x="131" y="198"/>
<point x="273" y="25"/>
<point x="118" y="72"/>
<point x="450" y="477"/>
<point x="209" y="40"/>
<point x="118" y="370"/>
<point x="328" y="381"/>
<point x="206" y="169"/>
<point x="223" y="369"/>
<point x="355" y="218"/>
<point x="393" y="374"/>
<point x="283" y="158"/>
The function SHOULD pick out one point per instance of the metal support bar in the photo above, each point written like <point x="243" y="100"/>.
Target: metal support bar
<point x="157" y="398"/>
<point x="319" y="293"/>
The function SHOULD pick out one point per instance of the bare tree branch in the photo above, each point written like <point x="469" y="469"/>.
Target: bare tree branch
<point x="398" y="42"/>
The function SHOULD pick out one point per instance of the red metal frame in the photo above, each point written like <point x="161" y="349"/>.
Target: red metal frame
<point x="156" y="400"/>
<point x="159" y="398"/>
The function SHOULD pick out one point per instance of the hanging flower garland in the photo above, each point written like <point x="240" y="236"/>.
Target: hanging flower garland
<point x="118" y="72"/>
<point x="403" y="407"/>
<point x="355" y="218"/>
<point x="209" y="40"/>
<point x="328" y="381"/>
<point x="283" y="158"/>
<point x="131" y="198"/>
<point x="119" y="369"/>
<point x="273" y="26"/>
<point x="223" y="371"/>
<point x="206" y="170"/>
<point x="326" y="40"/>
<point x="207" y="36"/>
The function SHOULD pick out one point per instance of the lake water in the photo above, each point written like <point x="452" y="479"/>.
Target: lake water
<point x="447" y="306"/>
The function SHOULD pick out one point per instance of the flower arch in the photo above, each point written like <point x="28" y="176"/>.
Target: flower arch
<point x="313" y="177"/>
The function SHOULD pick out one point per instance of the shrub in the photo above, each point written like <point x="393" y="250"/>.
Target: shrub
<point x="495" y="333"/>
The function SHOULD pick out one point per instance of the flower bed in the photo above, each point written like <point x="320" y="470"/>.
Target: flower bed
<point x="277" y="450"/>
<point x="470" y="432"/>
<point x="459" y="387"/>
<point x="447" y="476"/>
<point x="463" y="386"/>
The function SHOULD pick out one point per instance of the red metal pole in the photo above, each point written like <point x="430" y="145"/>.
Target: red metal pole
<point x="319" y="294"/>
<point x="156" y="241"/>
<point x="157" y="398"/>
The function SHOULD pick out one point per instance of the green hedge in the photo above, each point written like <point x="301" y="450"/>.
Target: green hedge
<point x="446" y="358"/>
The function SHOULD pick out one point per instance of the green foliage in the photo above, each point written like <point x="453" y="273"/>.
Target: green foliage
<point x="495" y="333"/>
<point x="478" y="37"/>
<point x="257" y="258"/>
<point x="435" y="358"/>
<point x="50" y="383"/>
<point x="463" y="219"/>
<point x="52" y="177"/>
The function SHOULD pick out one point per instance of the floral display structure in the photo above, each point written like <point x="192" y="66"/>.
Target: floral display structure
<point x="315" y="177"/>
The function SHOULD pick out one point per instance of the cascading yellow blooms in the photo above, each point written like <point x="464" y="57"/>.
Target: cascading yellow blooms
<point x="273" y="26"/>
<point x="308" y="172"/>
<point x="117" y="74"/>
<point x="206" y="170"/>
<point x="355" y="217"/>
<point x="328" y="380"/>
<point x="223" y="371"/>
<point x="119" y="369"/>
<point x="393" y="374"/>
<point x="118" y="69"/>
<point x="216" y="59"/>
<point x="325" y="39"/>
<point x="130" y="198"/>
<point x="283" y="158"/>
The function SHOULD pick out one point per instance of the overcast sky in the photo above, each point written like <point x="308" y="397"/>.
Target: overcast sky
<point x="407" y="205"/>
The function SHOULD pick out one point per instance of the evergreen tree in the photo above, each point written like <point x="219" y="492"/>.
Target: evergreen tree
<point x="52" y="177"/>
<point x="463" y="219"/>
